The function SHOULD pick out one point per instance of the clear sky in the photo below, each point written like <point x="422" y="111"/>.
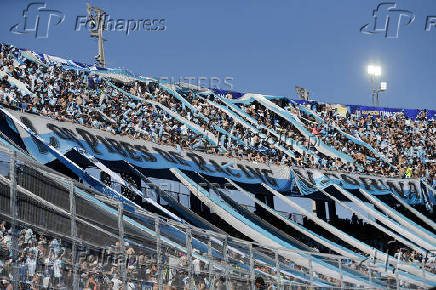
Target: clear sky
<point x="264" y="46"/>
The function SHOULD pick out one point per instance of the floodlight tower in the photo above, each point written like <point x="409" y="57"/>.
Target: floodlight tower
<point x="302" y="93"/>
<point x="96" y="18"/>
<point x="376" y="86"/>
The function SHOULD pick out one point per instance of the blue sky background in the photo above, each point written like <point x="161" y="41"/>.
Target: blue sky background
<point x="265" y="46"/>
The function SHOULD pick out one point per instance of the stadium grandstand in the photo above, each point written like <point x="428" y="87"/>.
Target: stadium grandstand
<point x="111" y="180"/>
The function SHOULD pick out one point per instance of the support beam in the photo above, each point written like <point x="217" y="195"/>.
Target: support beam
<point x="332" y="210"/>
<point x="252" y="285"/>
<point x="158" y="252"/>
<point x="189" y="255"/>
<point x="320" y="209"/>
<point x="14" y="214"/>
<point x="122" y="245"/>
<point x="73" y="236"/>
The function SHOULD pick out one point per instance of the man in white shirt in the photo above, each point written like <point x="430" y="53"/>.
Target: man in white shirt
<point x="117" y="283"/>
<point x="196" y="266"/>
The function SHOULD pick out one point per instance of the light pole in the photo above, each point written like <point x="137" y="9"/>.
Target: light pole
<point x="96" y="16"/>
<point x="376" y="86"/>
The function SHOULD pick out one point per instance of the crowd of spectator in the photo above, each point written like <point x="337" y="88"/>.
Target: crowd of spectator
<point x="74" y="96"/>
<point x="409" y="145"/>
<point x="403" y="147"/>
<point x="233" y="139"/>
<point x="45" y="262"/>
<point x="287" y="136"/>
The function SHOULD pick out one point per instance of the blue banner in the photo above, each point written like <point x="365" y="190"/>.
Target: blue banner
<point x="225" y="93"/>
<point x="64" y="136"/>
<point x="388" y="112"/>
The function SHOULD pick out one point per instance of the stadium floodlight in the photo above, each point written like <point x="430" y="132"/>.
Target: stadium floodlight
<point x="302" y="93"/>
<point x="377" y="71"/>
<point x="374" y="70"/>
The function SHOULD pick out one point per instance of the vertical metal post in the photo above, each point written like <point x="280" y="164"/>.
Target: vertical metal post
<point x="189" y="254"/>
<point x="73" y="236"/>
<point x="157" y="196"/>
<point x="159" y="252"/>
<point x="277" y="269"/>
<point x="396" y="267"/>
<point x="211" y="266"/>
<point x="14" y="214"/>
<point x="311" y="270"/>
<point x="100" y="15"/>
<point x="252" y="286"/>
<point x="103" y="250"/>
<point x="226" y="261"/>
<point x="178" y="194"/>
<point x="341" y="274"/>
<point x="397" y="275"/>
<point x="424" y="279"/>
<point x="122" y="246"/>
<point x="424" y="259"/>
<point x="372" y="258"/>
<point x="387" y="260"/>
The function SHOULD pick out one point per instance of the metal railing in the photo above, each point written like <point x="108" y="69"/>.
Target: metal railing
<point x="58" y="233"/>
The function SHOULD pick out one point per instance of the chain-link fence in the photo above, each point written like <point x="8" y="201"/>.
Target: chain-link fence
<point x="59" y="234"/>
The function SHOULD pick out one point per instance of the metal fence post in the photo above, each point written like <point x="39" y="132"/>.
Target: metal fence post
<point x="397" y="275"/>
<point x="252" y="286"/>
<point x="423" y="271"/>
<point x="73" y="236"/>
<point x="211" y="266"/>
<point x="341" y="274"/>
<point x="226" y="261"/>
<point x="14" y="214"/>
<point x="311" y="270"/>
<point x="277" y="269"/>
<point x="189" y="254"/>
<point x="122" y="245"/>
<point x="159" y="252"/>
